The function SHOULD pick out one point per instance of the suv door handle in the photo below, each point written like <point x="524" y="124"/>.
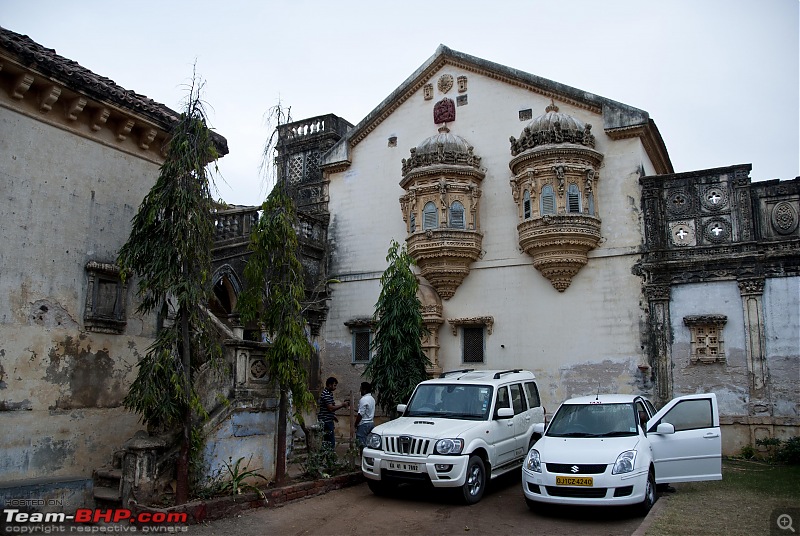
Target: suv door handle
<point x="711" y="435"/>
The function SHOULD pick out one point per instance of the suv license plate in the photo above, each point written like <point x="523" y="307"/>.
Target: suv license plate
<point x="408" y="467"/>
<point x="574" y="481"/>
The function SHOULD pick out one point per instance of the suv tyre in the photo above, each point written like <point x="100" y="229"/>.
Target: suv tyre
<point x="475" y="484"/>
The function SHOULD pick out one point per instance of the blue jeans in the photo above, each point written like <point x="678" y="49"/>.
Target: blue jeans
<point x="363" y="431"/>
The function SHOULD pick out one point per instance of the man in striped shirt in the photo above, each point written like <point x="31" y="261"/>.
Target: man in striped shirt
<point x="326" y="415"/>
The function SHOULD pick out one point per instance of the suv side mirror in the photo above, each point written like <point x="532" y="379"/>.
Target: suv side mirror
<point x="538" y="428"/>
<point x="505" y="413"/>
<point x="401" y="409"/>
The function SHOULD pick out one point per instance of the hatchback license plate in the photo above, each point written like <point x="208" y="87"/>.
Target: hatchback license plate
<point x="574" y="481"/>
<point x="408" y="467"/>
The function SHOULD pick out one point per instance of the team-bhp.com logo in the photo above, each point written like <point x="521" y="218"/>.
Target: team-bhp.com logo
<point x="87" y="519"/>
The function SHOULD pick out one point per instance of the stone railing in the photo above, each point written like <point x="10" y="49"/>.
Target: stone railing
<point x="314" y="125"/>
<point x="234" y="223"/>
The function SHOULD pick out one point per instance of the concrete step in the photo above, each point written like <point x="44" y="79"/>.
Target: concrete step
<point x="107" y="494"/>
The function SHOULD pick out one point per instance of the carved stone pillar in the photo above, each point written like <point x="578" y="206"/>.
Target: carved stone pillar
<point x="752" y="291"/>
<point x="659" y="349"/>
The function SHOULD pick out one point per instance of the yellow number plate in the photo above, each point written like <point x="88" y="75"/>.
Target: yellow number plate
<point x="574" y="481"/>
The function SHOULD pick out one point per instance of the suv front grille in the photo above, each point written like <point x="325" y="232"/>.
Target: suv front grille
<point x="403" y="444"/>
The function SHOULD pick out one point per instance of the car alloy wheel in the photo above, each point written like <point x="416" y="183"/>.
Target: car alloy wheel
<point x="475" y="483"/>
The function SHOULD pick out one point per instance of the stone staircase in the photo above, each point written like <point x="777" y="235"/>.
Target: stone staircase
<point x="107" y="481"/>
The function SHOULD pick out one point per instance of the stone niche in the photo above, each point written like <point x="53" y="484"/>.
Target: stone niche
<point x="555" y="169"/>
<point x="442" y="181"/>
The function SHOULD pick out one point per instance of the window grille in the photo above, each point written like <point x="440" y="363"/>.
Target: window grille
<point x="361" y="346"/>
<point x="457" y="215"/>
<point x="706" y="338"/>
<point x="548" y="201"/>
<point x="472" y="344"/>
<point x="412" y="221"/>
<point x="430" y="216"/>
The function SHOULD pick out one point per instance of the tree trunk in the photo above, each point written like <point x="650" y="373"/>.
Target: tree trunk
<point x="280" y="456"/>
<point x="182" y="469"/>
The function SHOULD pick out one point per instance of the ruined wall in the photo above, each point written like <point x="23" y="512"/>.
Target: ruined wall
<point x="66" y="201"/>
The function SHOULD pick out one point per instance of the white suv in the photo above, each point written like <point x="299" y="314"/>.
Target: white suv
<point x="456" y="430"/>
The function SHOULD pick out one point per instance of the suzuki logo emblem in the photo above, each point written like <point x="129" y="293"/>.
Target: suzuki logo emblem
<point x="574" y="468"/>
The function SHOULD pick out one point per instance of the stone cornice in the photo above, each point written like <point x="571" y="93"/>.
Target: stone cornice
<point x="487" y="321"/>
<point x="40" y="84"/>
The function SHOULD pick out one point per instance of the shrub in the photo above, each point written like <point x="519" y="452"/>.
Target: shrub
<point x="782" y="451"/>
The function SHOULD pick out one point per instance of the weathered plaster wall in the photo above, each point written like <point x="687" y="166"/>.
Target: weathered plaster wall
<point x="782" y="333"/>
<point x="728" y="380"/>
<point x="248" y="434"/>
<point x="66" y="201"/>
<point x="592" y="330"/>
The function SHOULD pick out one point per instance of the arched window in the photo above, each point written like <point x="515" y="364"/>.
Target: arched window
<point x="457" y="215"/>
<point x="526" y="205"/>
<point x="548" y="203"/>
<point x="573" y="199"/>
<point x="412" y="221"/>
<point x="430" y="216"/>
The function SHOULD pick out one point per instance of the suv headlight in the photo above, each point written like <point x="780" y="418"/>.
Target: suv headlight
<point x="625" y="462"/>
<point x="374" y="441"/>
<point x="449" y="446"/>
<point x="533" y="461"/>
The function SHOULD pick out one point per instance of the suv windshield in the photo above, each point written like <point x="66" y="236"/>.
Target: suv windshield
<point x="593" y="420"/>
<point x="451" y="401"/>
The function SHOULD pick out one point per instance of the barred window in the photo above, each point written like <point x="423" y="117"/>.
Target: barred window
<point x="412" y="222"/>
<point x="472" y="344"/>
<point x="362" y="340"/>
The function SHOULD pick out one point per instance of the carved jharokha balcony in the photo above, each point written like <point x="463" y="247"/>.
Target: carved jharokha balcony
<point x="444" y="255"/>
<point x="559" y="244"/>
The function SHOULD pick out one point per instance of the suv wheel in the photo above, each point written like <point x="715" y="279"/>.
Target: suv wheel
<point x="475" y="484"/>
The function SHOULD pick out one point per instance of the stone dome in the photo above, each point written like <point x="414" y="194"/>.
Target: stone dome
<point x="447" y="140"/>
<point x="443" y="148"/>
<point x="553" y="127"/>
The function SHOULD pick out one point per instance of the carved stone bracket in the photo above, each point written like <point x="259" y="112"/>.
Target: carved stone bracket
<point x="487" y="321"/>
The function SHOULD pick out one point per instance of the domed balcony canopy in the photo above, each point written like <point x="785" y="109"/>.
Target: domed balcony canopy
<point x="551" y="128"/>
<point x="443" y="148"/>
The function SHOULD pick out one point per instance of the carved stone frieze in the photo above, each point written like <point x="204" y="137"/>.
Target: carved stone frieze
<point x="444" y="256"/>
<point x="487" y="321"/>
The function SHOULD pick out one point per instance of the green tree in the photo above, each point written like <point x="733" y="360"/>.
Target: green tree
<point x="273" y="297"/>
<point x="398" y="363"/>
<point x="169" y="249"/>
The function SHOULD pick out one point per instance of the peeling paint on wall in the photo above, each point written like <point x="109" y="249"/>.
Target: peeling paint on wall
<point x="49" y="314"/>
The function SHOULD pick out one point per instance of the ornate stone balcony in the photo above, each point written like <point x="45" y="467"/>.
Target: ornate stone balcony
<point x="559" y="244"/>
<point x="444" y="256"/>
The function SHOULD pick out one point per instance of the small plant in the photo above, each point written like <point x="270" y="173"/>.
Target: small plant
<point x="321" y="462"/>
<point x="220" y="485"/>
<point x="748" y="452"/>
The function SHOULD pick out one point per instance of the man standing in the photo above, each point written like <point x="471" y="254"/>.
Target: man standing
<point x="366" y="414"/>
<point x="326" y="415"/>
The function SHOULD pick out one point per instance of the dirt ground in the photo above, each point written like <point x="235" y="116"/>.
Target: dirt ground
<point x="420" y="511"/>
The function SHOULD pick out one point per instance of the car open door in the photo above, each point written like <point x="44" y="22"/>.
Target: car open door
<point x="686" y="440"/>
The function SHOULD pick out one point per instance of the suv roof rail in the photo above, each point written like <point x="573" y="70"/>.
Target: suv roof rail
<point x="443" y="374"/>
<point x="498" y="374"/>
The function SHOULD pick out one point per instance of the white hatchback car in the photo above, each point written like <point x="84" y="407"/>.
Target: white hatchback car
<point x="614" y="449"/>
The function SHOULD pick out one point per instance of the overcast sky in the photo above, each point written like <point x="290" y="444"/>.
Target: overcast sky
<point x="719" y="77"/>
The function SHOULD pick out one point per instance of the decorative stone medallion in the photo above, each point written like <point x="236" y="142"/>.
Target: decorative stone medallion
<point x="717" y="230"/>
<point x="682" y="233"/>
<point x="258" y="369"/>
<point x="679" y="202"/>
<point x="444" y="111"/>
<point x="427" y="91"/>
<point x="714" y="198"/>
<point x="784" y="218"/>
<point x="445" y="83"/>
